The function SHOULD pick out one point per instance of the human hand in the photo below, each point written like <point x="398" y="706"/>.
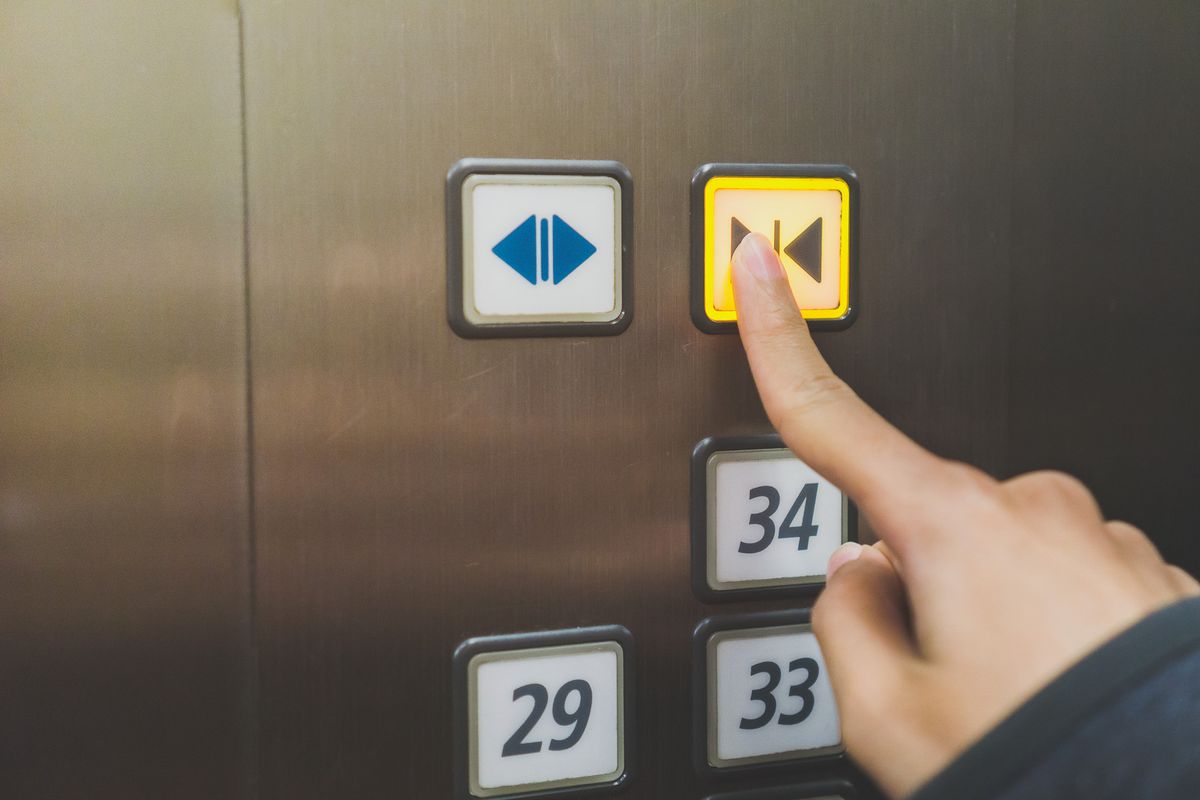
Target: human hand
<point x="979" y="592"/>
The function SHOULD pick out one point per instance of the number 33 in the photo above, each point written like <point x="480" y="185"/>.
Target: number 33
<point x="765" y="694"/>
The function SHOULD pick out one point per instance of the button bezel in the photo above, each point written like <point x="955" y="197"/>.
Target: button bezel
<point x="460" y="321"/>
<point x="463" y="712"/>
<point x="702" y="507"/>
<point x="700" y="180"/>
<point x="820" y="763"/>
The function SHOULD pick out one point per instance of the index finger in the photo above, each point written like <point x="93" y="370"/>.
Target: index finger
<point x="819" y="417"/>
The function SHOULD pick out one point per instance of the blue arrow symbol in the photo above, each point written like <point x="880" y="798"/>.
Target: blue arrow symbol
<point x="570" y="250"/>
<point x="519" y="249"/>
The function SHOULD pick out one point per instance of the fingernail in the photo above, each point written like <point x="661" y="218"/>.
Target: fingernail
<point x="756" y="255"/>
<point x="848" y="552"/>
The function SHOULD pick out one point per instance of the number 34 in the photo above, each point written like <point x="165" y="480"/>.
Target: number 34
<point x="801" y="533"/>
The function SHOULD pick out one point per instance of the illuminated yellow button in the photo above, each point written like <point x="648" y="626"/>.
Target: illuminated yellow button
<point x="806" y="214"/>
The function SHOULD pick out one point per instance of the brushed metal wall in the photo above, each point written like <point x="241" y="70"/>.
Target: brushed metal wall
<point x="413" y="488"/>
<point x="125" y="610"/>
<point x="1106" y="270"/>
<point x="184" y="620"/>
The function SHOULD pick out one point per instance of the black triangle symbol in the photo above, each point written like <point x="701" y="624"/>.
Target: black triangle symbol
<point x="737" y="232"/>
<point x="805" y="250"/>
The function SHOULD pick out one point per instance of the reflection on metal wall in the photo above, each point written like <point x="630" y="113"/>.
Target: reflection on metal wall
<point x="123" y="519"/>
<point x="1106" y="290"/>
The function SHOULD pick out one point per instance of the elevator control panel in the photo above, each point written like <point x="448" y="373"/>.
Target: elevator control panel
<point x="543" y="248"/>
<point x="763" y="523"/>
<point x="538" y="248"/>
<point x="543" y="712"/>
<point x="810" y="214"/>
<point x="762" y="694"/>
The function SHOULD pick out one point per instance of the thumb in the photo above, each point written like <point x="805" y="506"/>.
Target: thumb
<point x="861" y="618"/>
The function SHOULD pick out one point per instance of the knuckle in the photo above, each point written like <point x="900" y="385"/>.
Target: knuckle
<point x="1068" y="486"/>
<point x="1059" y="483"/>
<point x="1050" y="487"/>
<point x="1183" y="581"/>
<point x="1132" y="542"/>
<point x="1125" y="532"/>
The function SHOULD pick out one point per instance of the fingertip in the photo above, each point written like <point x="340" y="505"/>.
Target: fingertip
<point x="849" y="551"/>
<point x="756" y="256"/>
<point x="762" y="293"/>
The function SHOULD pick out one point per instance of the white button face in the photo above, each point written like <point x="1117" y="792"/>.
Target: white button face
<point x="769" y="697"/>
<point x="541" y="248"/>
<point x="772" y="520"/>
<point x="546" y="718"/>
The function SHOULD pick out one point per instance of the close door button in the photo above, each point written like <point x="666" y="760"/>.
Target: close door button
<point x="810" y="215"/>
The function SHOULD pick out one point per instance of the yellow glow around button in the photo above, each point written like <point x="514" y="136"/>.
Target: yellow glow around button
<point x="718" y="295"/>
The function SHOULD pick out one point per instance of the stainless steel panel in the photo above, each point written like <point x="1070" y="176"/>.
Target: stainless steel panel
<point x="124" y="649"/>
<point x="414" y="488"/>
<point x="1105" y="285"/>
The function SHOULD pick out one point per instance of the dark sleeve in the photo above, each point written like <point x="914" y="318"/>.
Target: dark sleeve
<point x="1122" y="724"/>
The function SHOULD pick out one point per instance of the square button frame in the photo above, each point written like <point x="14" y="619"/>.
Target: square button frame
<point x="455" y="247"/>
<point x="826" y="762"/>
<point x="698" y="221"/>
<point x="703" y="506"/>
<point x="463" y="709"/>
